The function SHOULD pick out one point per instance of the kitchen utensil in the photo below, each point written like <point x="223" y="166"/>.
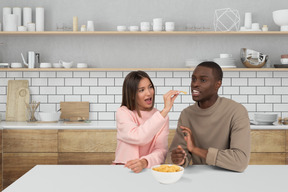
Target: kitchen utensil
<point x="167" y="177"/>
<point x="18" y="95"/>
<point x="280" y="18"/>
<point x="248" y="20"/>
<point x="90" y="26"/>
<point x="253" y="59"/>
<point x="169" y="26"/>
<point x="74" y="110"/>
<point x="31" y="27"/>
<point x="30" y="111"/>
<point x="32" y="56"/>
<point x="145" y="26"/>
<point x="4" y="65"/>
<point x="66" y="64"/>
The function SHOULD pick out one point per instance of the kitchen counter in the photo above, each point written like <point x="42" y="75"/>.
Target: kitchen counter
<point x="88" y="178"/>
<point x="97" y="125"/>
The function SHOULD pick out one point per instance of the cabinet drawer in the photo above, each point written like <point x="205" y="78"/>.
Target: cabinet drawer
<point x="17" y="164"/>
<point x="86" y="158"/>
<point x="268" y="141"/>
<point x="267" y="159"/>
<point x="29" y="141"/>
<point x="87" y="140"/>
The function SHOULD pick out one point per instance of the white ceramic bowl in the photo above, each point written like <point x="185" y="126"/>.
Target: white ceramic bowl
<point x="284" y="60"/>
<point x="280" y="18"/>
<point x="167" y="177"/>
<point x="57" y="65"/>
<point x="45" y="65"/>
<point x="49" y="116"/>
<point x="82" y="65"/>
<point x="265" y="118"/>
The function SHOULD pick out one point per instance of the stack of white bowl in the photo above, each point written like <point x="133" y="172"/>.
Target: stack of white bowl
<point x="265" y="118"/>
<point x="225" y="61"/>
<point x="192" y="63"/>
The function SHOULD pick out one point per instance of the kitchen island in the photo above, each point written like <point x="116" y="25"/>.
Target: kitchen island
<point x="90" y="178"/>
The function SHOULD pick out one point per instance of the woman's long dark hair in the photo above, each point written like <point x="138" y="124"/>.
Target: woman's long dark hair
<point x="130" y="89"/>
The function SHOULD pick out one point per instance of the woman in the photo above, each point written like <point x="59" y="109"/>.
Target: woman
<point x="142" y="130"/>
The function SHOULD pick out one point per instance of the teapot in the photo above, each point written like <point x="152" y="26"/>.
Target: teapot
<point x="31" y="59"/>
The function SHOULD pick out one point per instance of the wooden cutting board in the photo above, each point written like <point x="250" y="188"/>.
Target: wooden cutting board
<point x="18" y="95"/>
<point x="74" y="110"/>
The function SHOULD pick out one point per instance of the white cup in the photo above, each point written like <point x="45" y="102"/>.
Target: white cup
<point x="145" y="26"/>
<point x="255" y="26"/>
<point x="158" y="21"/>
<point x="170" y="26"/>
<point x="90" y="26"/>
<point x="157" y="28"/>
<point x="31" y="27"/>
<point x="134" y="28"/>
<point x="121" y="28"/>
<point x="22" y="28"/>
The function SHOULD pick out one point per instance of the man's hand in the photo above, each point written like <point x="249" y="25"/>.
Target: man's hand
<point x="188" y="138"/>
<point x="137" y="165"/>
<point x="178" y="156"/>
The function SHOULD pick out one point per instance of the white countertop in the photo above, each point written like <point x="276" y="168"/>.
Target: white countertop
<point x="204" y="178"/>
<point x="97" y="125"/>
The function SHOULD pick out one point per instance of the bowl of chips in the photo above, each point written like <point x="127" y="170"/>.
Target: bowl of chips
<point x="167" y="173"/>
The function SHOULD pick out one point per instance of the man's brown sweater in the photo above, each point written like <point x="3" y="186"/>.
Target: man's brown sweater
<point x="223" y="129"/>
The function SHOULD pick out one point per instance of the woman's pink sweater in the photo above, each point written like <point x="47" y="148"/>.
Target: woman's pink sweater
<point x="141" y="137"/>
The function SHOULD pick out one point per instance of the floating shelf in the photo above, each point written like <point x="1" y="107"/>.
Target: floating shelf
<point x="133" y="69"/>
<point x="146" y="33"/>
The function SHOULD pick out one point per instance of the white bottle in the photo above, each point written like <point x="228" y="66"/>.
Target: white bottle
<point x="248" y="20"/>
<point x="39" y="19"/>
<point x="90" y="26"/>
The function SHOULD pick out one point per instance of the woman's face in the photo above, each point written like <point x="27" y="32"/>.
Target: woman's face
<point x="144" y="95"/>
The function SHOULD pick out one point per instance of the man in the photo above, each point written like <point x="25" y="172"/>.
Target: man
<point x="215" y="130"/>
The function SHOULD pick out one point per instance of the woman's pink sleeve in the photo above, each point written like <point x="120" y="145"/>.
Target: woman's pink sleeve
<point x="130" y="132"/>
<point x="160" y="149"/>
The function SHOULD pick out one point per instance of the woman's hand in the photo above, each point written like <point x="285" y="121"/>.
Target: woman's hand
<point x="169" y="99"/>
<point x="137" y="165"/>
<point x="188" y="138"/>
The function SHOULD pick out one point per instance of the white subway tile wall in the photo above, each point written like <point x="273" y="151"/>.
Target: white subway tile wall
<point x="257" y="91"/>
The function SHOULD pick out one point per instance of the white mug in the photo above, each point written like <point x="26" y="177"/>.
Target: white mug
<point x="22" y="28"/>
<point x="90" y="26"/>
<point x="134" y="28"/>
<point x="121" y="28"/>
<point x="158" y="21"/>
<point x="157" y="27"/>
<point x="170" y="26"/>
<point x="31" y="27"/>
<point x="255" y="26"/>
<point x="145" y="26"/>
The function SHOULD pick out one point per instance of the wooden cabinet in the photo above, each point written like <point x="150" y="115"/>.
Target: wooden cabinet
<point x="23" y="149"/>
<point x="87" y="146"/>
<point x="268" y="147"/>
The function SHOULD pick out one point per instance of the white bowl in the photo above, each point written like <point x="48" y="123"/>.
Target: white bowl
<point x="49" y="116"/>
<point x="16" y="65"/>
<point x="167" y="177"/>
<point x="265" y="118"/>
<point x="82" y="65"/>
<point x="284" y="60"/>
<point x="45" y="65"/>
<point x="280" y="18"/>
<point x="57" y="65"/>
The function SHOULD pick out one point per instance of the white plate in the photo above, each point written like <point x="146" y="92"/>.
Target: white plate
<point x="228" y="66"/>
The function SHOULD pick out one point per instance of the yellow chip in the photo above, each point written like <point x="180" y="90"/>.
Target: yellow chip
<point x="184" y="92"/>
<point x="167" y="168"/>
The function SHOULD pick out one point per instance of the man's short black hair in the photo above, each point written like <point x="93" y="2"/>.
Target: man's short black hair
<point x="217" y="71"/>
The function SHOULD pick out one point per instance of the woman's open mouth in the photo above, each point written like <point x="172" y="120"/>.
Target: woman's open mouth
<point x="148" y="101"/>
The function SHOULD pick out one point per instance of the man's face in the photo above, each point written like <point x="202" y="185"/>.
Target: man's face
<point x="204" y="86"/>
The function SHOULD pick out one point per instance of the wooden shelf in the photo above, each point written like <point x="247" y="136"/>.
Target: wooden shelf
<point x="133" y="69"/>
<point x="146" y="33"/>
